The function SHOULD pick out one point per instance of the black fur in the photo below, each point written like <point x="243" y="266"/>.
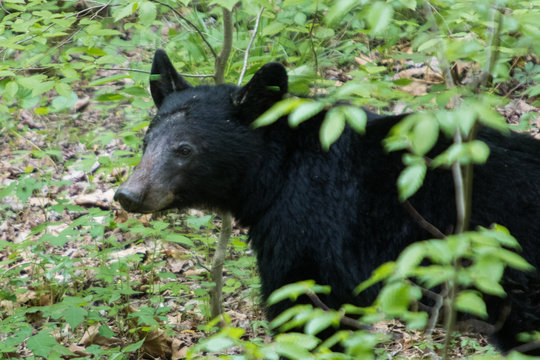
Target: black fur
<point x="329" y="216"/>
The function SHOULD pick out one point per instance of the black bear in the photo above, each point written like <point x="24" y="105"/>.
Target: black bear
<point x="329" y="216"/>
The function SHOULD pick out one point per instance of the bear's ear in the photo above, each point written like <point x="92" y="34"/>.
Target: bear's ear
<point x="265" y="88"/>
<point x="164" y="79"/>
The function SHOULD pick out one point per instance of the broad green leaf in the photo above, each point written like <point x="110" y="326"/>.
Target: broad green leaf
<point x="43" y="344"/>
<point x="424" y="134"/>
<point x="331" y="127"/>
<point x="478" y="151"/>
<point x="147" y="13"/>
<point x="415" y="320"/>
<point x="279" y="109"/>
<point x="106" y="331"/>
<point x="321" y="322"/>
<point x="395" y="298"/>
<point x="409" y="259"/>
<point x="74" y="315"/>
<point x="379" y="16"/>
<point x="63" y="89"/>
<point x="429" y="44"/>
<point x="338" y="10"/>
<point x="513" y="260"/>
<point x="410" y="180"/>
<point x="218" y="344"/>
<point x="502" y="235"/>
<point x="61" y="103"/>
<point x="179" y="239"/>
<point x="272" y="29"/>
<point x="356" y="118"/>
<point x="42" y="87"/>
<point x="471" y="302"/>
<point x="304" y="112"/>
<point x="10" y="91"/>
<point x="124" y="11"/>
<point x="293" y="291"/>
<point x="411" y="4"/>
<point x="133" y="347"/>
<point x="307" y="341"/>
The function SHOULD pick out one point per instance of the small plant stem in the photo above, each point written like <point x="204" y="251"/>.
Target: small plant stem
<point x="451" y="315"/>
<point x="246" y="55"/>
<point x="223" y="57"/>
<point x="216" y="272"/>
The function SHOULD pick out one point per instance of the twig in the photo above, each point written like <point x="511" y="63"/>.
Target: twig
<point x="190" y="24"/>
<point x="426" y="225"/>
<point x="435" y="309"/>
<point x="246" y="55"/>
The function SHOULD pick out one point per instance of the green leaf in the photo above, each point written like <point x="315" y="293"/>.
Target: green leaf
<point x="331" y="127"/>
<point x="424" y="134"/>
<point x="61" y="103"/>
<point x="147" y="13"/>
<point x="321" y="322"/>
<point x="106" y="331"/>
<point x="381" y="273"/>
<point x="10" y="91"/>
<point x="356" y="118"/>
<point x="124" y="11"/>
<point x="218" y="344"/>
<point x="410" y="258"/>
<point x="379" y="17"/>
<point x="410" y="180"/>
<point x="294" y="290"/>
<point x="478" y="151"/>
<point x="411" y="4"/>
<point x="304" y="112"/>
<point x="395" y="298"/>
<point x="179" y="239"/>
<point x="42" y="87"/>
<point x="429" y="44"/>
<point x="63" y="89"/>
<point x="74" y="316"/>
<point x="307" y="341"/>
<point x="471" y="302"/>
<point x="338" y="10"/>
<point x="133" y="347"/>
<point x="43" y="344"/>
<point x="513" y="260"/>
<point x="279" y="109"/>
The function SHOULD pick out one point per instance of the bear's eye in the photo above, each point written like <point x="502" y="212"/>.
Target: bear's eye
<point x="184" y="150"/>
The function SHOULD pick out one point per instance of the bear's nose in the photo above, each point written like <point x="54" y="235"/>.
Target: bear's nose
<point x="129" y="200"/>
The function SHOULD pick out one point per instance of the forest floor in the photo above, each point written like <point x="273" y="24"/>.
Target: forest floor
<point x="101" y="246"/>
